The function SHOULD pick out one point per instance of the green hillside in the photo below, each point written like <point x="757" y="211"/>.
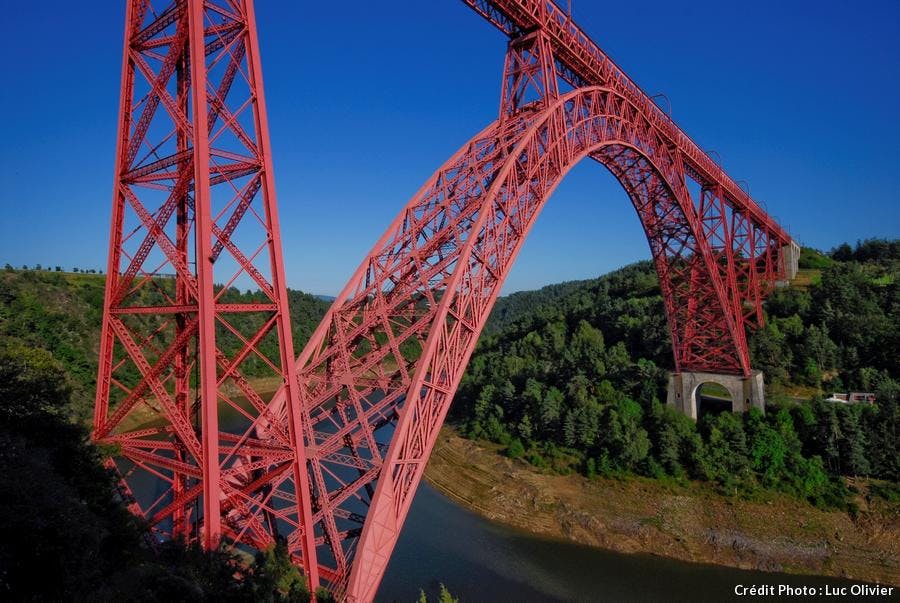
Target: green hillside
<point x="58" y="513"/>
<point x="61" y="312"/>
<point x="572" y="376"/>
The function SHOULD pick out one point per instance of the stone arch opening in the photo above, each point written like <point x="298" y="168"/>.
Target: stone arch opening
<point x="685" y="390"/>
<point x="712" y="398"/>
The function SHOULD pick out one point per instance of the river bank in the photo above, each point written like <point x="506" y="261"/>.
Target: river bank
<point x="687" y="522"/>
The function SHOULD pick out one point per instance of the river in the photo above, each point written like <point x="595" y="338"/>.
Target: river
<point x="479" y="560"/>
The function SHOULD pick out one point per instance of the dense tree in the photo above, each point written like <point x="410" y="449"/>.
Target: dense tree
<point x="60" y="313"/>
<point x="870" y="250"/>
<point x="573" y="371"/>
<point x="727" y="456"/>
<point x="443" y="596"/>
<point x="59" y="514"/>
<point x="32" y="384"/>
<point x="882" y="426"/>
<point x="677" y="447"/>
<point x="276" y="578"/>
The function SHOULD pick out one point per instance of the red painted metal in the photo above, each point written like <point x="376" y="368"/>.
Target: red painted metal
<point x="333" y="459"/>
<point x="193" y="195"/>
<point x="379" y="373"/>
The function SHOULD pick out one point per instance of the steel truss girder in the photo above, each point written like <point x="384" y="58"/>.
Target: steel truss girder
<point x="581" y="62"/>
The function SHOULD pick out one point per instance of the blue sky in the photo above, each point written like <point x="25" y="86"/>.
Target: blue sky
<point x="800" y="99"/>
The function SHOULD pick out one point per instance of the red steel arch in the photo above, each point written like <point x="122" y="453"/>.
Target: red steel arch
<point x="377" y="378"/>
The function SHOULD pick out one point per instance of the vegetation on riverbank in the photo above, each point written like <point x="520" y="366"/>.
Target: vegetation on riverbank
<point x="568" y="379"/>
<point x="58" y="513"/>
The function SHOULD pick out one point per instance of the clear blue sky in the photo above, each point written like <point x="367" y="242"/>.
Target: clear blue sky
<point x="800" y="99"/>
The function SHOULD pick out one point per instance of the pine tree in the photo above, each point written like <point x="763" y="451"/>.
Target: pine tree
<point x="852" y="444"/>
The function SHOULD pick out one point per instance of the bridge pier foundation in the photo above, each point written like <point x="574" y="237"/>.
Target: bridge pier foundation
<point x="746" y="393"/>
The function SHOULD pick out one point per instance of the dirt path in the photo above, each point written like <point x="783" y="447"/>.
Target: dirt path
<point x="685" y="522"/>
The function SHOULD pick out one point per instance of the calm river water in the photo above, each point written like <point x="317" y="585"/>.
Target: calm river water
<point x="481" y="561"/>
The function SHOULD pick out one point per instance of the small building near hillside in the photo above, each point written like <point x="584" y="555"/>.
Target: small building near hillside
<point x="852" y="398"/>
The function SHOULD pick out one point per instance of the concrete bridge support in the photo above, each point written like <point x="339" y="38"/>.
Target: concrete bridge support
<point x="745" y="392"/>
<point x="790" y="263"/>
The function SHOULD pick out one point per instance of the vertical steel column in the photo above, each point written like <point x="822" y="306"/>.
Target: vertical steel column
<point x="209" y="398"/>
<point x="114" y="255"/>
<point x="292" y="401"/>
<point x="183" y="360"/>
<point x="529" y="73"/>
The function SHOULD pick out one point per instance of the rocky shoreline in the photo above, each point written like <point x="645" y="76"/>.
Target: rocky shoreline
<point x="682" y="521"/>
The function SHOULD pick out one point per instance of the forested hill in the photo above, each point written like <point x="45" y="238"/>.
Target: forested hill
<point x="572" y="377"/>
<point x="569" y="377"/>
<point x="61" y="312"/>
<point x="58" y="513"/>
<point x="835" y="328"/>
<point x="625" y="305"/>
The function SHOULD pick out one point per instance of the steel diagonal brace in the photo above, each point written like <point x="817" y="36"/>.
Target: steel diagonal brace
<point x="165" y="18"/>
<point x="150" y="374"/>
<point x="137" y="393"/>
<point x="162" y="239"/>
<point x="157" y="83"/>
<point x="159" y="91"/>
<point x="154" y="227"/>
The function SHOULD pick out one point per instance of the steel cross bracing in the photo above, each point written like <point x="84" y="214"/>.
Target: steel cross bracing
<point x="194" y="217"/>
<point x="331" y="462"/>
<point x="580" y="62"/>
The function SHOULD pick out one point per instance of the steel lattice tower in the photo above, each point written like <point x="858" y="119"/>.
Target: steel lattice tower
<point x="194" y="218"/>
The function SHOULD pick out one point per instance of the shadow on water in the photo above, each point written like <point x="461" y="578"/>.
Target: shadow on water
<point x="481" y="561"/>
